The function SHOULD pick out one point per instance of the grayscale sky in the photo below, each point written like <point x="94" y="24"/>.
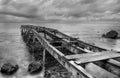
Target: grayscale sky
<point x="59" y="9"/>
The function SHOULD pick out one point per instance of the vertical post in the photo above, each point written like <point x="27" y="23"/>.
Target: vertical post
<point x="44" y="62"/>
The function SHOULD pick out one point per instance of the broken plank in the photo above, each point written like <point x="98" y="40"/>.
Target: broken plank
<point x="96" y="57"/>
<point x="77" y="56"/>
<point x="112" y="61"/>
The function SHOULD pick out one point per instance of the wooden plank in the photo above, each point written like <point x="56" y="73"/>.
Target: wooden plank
<point x="78" y="56"/>
<point x="96" y="57"/>
<point x="99" y="72"/>
<point x="81" y="69"/>
<point x="52" y="35"/>
<point x="112" y="61"/>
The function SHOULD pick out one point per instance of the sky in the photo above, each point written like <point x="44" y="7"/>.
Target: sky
<point x="45" y="10"/>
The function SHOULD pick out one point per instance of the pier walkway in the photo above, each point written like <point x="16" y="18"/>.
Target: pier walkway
<point x="81" y="59"/>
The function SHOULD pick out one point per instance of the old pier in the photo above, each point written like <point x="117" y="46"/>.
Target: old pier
<point x="81" y="59"/>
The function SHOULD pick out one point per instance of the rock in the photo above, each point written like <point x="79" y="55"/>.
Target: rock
<point x="34" y="68"/>
<point x="111" y="34"/>
<point x="9" y="69"/>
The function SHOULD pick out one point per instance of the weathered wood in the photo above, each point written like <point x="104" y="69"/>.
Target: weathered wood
<point x="74" y="45"/>
<point x="60" y="57"/>
<point x="52" y="35"/>
<point x="64" y="36"/>
<point x="67" y="38"/>
<point x="81" y="69"/>
<point x="98" y="72"/>
<point x="114" y="62"/>
<point x="85" y="55"/>
<point x="94" y="48"/>
<point x="85" y="58"/>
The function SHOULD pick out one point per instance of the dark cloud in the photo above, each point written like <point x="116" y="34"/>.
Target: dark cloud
<point x="64" y="8"/>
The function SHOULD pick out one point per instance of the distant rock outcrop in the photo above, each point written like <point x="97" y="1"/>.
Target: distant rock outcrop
<point x="9" y="69"/>
<point x="111" y="34"/>
<point x="35" y="67"/>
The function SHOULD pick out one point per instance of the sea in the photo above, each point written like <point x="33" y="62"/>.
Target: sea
<point x="14" y="50"/>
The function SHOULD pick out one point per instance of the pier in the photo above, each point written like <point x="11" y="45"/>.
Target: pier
<point x="81" y="59"/>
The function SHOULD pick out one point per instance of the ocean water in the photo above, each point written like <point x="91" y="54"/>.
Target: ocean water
<point x="13" y="49"/>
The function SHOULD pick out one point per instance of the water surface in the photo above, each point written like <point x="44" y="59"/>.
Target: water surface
<point x="14" y="50"/>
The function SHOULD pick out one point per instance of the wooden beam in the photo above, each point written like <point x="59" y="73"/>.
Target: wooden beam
<point x="91" y="57"/>
<point x="115" y="62"/>
<point x="99" y="72"/>
<point x="112" y="61"/>
<point x="52" y="35"/>
<point x="60" y="57"/>
<point x="81" y="69"/>
<point x="78" y="56"/>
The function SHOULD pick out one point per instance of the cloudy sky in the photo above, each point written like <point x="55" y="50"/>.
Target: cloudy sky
<point x="59" y="9"/>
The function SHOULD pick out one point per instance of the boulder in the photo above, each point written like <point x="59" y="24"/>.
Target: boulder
<point x="9" y="69"/>
<point x="35" y="68"/>
<point x="111" y="34"/>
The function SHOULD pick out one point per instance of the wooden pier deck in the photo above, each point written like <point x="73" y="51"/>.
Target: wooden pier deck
<point x="82" y="59"/>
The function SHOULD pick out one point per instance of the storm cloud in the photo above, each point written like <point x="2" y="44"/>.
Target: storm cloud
<point x="44" y="9"/>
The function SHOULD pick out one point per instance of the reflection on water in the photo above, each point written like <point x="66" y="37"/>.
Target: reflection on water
<point x="13" y="49"/>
